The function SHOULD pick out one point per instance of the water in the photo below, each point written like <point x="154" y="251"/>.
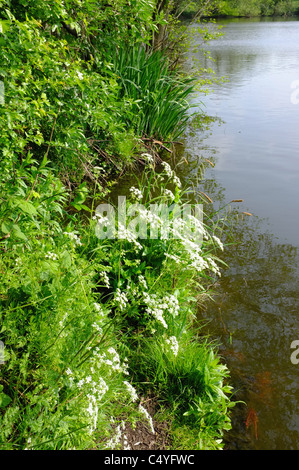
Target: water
<point x="253" y="143"/>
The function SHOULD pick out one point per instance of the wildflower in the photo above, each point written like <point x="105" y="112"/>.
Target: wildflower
<point x="97" y="327"/>
<point x="80" y="383"/>
<point x="52" y="256"/>
<point x="123" y="233"/>
<point x="142" y="281"/>
<point x="173" y="257"/>
<point x="148" y="157"/>
<point x="92" y="410"/>
<point x="167" y="169"/>
<point x="98" y="308"/>
<point x="147" y="416"/>
<point x="80" y="75"/>
<point x="174" y="345"/>
<point x="218" y="241"/>
<point x="177" y="181"/>
<point x="121" y="298"/>
<point x="105" y="278"/>
<point x="136" y="193"/>
<point x="115" y="440"/>
<point x="131" y="390"/>
<point x="75" y="238"/>
<point x="169" y="193"/>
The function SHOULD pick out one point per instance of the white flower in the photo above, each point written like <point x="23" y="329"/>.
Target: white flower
<point x="98" y="309"/>
<point x="218" y="241"/>
<point x="131" y="390"/>
<point x="105" y="278"/>
<point x="169" y="193"/>
<point x="52" y="256"/>
<point x="125" y="234"/>
<point x="75" y="238"/>
<point x="136" y="193"/>
<point x="174" y="345"/>
<point x="121" y="298"/>
<point x="142" y="281"/>
<point x="80" y="75"/>
<point x="147" y="416"/>
<point x="148" y="157"/>
<point x="97" y="327"/>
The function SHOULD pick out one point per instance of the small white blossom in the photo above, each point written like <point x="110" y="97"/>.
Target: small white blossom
<point x="147" y="416"/>
<point x="142" y="281"/>
<point x="136" y="193"/>
<point x="105" y="278"/>
<point x="74" y="237"/>
<point x="52" y="256"/>
<point x="121" y="298"/>
<point x="174" y="345"/>
<point x="169" y="193"/>
<point x="218" y="241"/>
<point x="131" y="390"/>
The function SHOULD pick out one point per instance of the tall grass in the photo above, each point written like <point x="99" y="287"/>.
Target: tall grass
<point x="159" y="106"/>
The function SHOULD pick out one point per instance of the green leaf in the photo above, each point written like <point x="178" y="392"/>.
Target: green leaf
<point x="4" y="399"/>
<point x="66" y="259"/>
<point x="18" y="232"/>
<point x="27" y="207"/>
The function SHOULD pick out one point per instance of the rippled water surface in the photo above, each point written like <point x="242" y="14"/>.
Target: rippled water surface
<point x="253" y="143"/>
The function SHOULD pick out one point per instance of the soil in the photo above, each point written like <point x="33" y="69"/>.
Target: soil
<point x="142" y="438"/>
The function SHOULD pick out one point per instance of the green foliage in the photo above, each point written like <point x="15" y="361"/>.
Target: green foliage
<point x="159" y="98"/>
<point x="82" y="88"/>
<point x="257" y="8"/>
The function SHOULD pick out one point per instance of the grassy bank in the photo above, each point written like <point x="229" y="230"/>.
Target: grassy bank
<point x="249" y="8"/>
<point x="97" y="316"/>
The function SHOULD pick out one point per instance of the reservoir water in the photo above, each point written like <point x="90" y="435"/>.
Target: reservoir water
<point x="251" y="144"/>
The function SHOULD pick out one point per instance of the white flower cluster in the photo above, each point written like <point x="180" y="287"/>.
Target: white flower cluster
<point x="112" y="360"/>
<point x="218" y="242"/>
<point x="136" y="193"/>
<point x="171" y="174"/>
<point x="132" y="392"/>
<point x="94" y="390"/>
<point x="174" y="345"/>
<point x="115" y="441"/>
<point x="148" y="157"/>
<point x="131" y="237"/>
<point x="52" y="256"/>
<point x="105" y="278"/>
<point x="97" y="393"/>
<point x="97" y="327"/>
<point x="147" y="416"/>
<point x="121" y="298"/>
<point x="156" y="306"/>
<point x="142" y="281"/>
<point x="101" y="219"/>
<point x="74" y="237"/>
<point x="169" y="193"/>
<point x="99" y="309"/>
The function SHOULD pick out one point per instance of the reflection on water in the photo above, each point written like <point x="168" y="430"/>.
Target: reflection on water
<point x="252" y="146"/>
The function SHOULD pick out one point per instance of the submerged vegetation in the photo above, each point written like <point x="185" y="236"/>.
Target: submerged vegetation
<point x="90" y="325"/>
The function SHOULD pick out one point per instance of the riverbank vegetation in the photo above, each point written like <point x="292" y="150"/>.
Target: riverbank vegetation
<point x="250" y="8"/>
<point x="92" y="325"/>
<point x="243" y="8"/>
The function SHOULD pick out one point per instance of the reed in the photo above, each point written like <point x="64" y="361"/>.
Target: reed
<point x="158" y="96"/>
